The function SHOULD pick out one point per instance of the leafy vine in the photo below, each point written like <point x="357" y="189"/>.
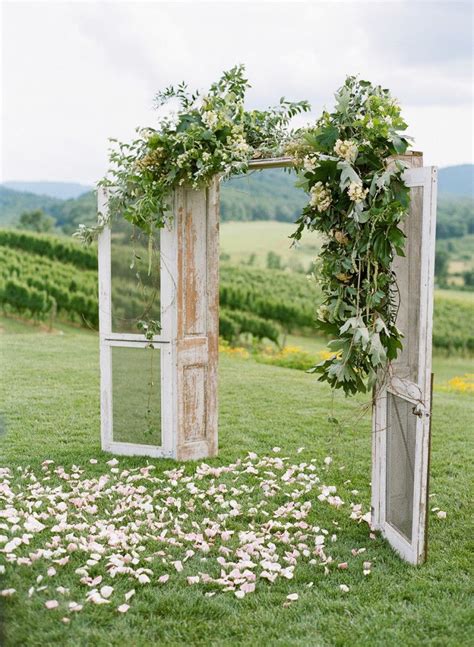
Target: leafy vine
<point x="357" y="197"/>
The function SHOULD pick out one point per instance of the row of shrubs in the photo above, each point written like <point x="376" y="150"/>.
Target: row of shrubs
<point x="259" y="302"/>
<point x="51" y="247"/>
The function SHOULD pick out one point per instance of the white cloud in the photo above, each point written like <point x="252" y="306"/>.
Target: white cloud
<point x="77" y="73"/>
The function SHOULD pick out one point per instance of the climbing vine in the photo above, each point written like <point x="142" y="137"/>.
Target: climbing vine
<point x="357" y="197"/>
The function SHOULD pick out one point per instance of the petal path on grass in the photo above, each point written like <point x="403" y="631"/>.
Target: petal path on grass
<point x="233" y="528"/>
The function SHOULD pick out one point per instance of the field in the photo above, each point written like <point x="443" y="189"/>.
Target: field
<point x="241" y="240"/>
<point x="461" y="257"/>
<point x="51" y="411"/>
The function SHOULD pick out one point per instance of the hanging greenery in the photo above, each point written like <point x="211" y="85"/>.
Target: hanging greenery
<point x="207" y="135"/>
<point x="358" y="200"/>
<point x="357" y="197"/>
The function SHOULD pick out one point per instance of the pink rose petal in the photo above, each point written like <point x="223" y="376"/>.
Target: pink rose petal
<point x="51" y="604"/>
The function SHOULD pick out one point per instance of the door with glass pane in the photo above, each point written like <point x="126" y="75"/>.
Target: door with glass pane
<point x="134" y="289"/>
<point x="402" y="408"/>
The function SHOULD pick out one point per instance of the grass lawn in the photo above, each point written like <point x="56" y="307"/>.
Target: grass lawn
<point x="50" y="408"/>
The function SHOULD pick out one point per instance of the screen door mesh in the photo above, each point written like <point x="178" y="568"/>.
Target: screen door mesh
<point x="136" y="395"/>
<point x="401" y="445"/>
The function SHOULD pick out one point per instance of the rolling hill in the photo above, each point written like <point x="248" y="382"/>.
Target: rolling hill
<point x="270" y="195"/>
<point x="61" y="190"/>
<point x="457" y="180"/>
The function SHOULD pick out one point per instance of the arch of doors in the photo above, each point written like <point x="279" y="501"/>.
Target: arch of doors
<point x="186" y="393"/>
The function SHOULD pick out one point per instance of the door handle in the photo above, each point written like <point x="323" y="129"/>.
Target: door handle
<point x="419" y="411"/>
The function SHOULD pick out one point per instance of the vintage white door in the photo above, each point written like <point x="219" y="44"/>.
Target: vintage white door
<point x="159" y="396"/>
<point x="135" y="372"/>
<point x="402" y="409"/>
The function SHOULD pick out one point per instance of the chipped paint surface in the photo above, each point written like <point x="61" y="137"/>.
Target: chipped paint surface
<point x="197" y="285"/>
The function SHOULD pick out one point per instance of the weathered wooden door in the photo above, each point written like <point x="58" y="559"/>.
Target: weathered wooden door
<point x="159" y="395"/>
<point x="402" y="408"/>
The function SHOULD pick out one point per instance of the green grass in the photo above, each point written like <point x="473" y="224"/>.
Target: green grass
<point x="50" y="401"/>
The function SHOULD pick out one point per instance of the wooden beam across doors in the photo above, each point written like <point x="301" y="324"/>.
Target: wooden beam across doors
<point x="286" y="162"/>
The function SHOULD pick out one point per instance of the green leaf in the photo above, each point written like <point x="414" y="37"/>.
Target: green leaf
<point x="343" y="98"/>
<point x="348" y="175"/>
<point x="327" y="137"/>
<point x="399" y="143"/>
<point x="377" y="351"/>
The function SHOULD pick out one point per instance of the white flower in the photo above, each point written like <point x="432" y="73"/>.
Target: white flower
<point x="309" y="164"/>
<point x="210" y="118"/>
<point x="356" y="192"/>
<point x="320" y="197"/>
<point x="346" y="149"/>
<point x="241" y="147"/>
<point x="181" y="159"/>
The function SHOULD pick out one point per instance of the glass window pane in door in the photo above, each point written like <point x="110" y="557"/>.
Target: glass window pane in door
<point x="136" y="395"/>
<point x="135" y="275"/>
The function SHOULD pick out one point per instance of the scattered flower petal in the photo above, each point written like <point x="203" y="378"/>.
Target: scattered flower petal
<point x="51" y="604"/>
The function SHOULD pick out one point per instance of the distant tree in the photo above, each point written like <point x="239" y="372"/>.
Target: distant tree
<point x="36" y="220"/>
<point x="441" y="265"/>
<point x="469" y="278"/>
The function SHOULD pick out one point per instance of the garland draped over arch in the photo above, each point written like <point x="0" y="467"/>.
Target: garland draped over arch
<point x="357" y="197"/>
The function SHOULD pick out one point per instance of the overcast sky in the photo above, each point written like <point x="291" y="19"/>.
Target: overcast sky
<point x="76" y="73"/>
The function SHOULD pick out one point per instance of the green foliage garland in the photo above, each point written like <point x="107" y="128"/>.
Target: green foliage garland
<point x="358" y="200"/>
<point x="357" y="197"/>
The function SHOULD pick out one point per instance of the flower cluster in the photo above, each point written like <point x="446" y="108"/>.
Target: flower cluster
<point x="356" y="192"/>
<point x="462" y="383"/>
<point x="357" y="201"/>
<point x="346" y="149"/>
<point x="320" y="196"/>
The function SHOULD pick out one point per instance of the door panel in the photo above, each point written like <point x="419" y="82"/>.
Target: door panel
<point x="401" y="416"/>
